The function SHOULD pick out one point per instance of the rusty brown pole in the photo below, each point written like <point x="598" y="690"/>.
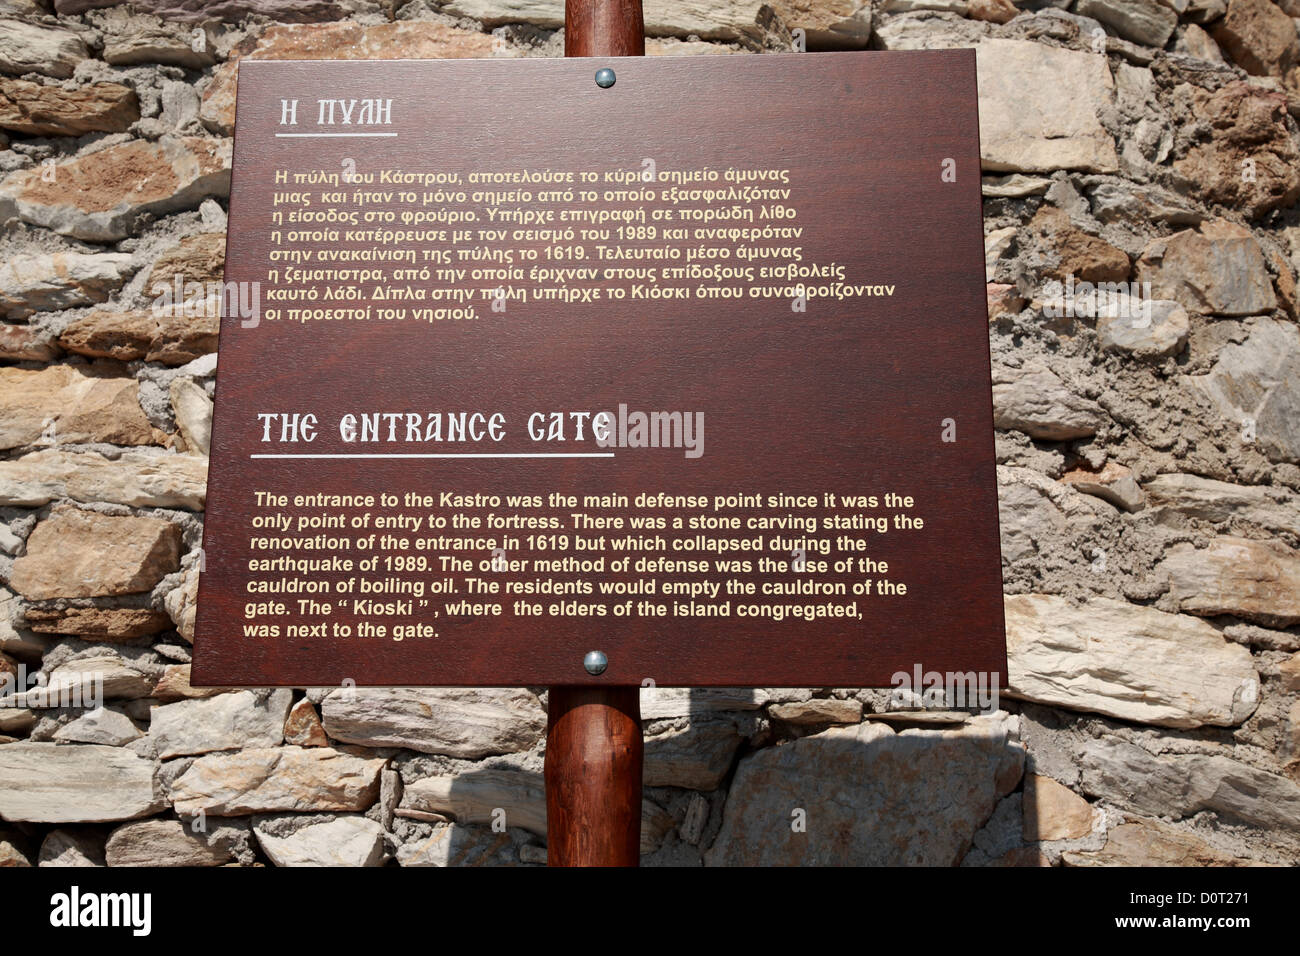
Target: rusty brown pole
<point x="593" y="776"/>
<point x="603" y="28"/>
<point x="593" y="734"/>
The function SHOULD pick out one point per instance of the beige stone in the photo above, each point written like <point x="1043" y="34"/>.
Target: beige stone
<point x="85" y="677"/>
<point x="8" y="671"/>
<point x="1217" y="269"/>
<point x="1013" y="186"/>
<point x="994" y="11"/>
<point x="241" y="719"/>
<point x="401" y="40"/>
<point x="13" y="850"/>
<point x="1148" y="329"/>
<point x="276" y="779"/>
<point x="303" y="727"/>
<point x="98" y="623"/>
<point x="143" y="44"/>
<point x="38" y="48"/>
<point x="1053" y="812"/>
<point x="1034" y="400"/>
<point x="100" y="196"/>
<point x="77" y="784"/>
<point x="1003" y="299"/>
<point x="1076" y="253"/>
<point x="818" y="711"/>
<point x="138" y="478"/>
<point x="156" y="336"/>
<point x="1288" y="290"/>
<point x="193" y="412"/>
<point x="200" y="258"/>
<point x="458" y="722"/>
<point x="65" y="404"/>
<point x="1292" y="765"/>
<point x="181" y="603"/>
<point x="72" y="847"/>
<point x="1141" y="204"/>
<point x="22" y="643"/>
<point x="1126" y="661"/>
<point x="1034" y="511"/>
<point x="340" y="841"/>
<point x="921" y="718"/>
<point x="75" y="553"/>
<point x="1151" y="843"/>
<point x="1113" y="483"/>
<point x="1289" y="671"/>
<point x="1142" y="21"/>
<point x="164" y="843"/>
<point x="217" y="106"/>
<point x="694" y="754"/>
<point x="17" y="720"/>
<point x="996" y="244"/>
<point x="1196" y="42"/>
<point x="102" y="725"/>
<point x="63" y="280"/>
<point x="1255" y="386"/>
<point x="1265" y="506"/>
<point x="175" y="685"/>
<point x="837" y="24"/>
<point x="452" y="845"/>
<point x="1255" y="580"/>
<point x="1038" y="108"/>
<point x="661" y="702"/>
<point x="675" y="46"/>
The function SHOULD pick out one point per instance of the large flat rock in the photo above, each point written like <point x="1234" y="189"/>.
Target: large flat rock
<point x="138" y="478"/>
<point x="223" y="722"/>
<point x="1126" y="661"/>
<point x="79" y="783"/>
<point x="867" y="796"/>
<point x="1255" y="580"/>
<point x="1038" y="108"/>
<point x="457" y="722"/>
<point x="67" y="404"/>
<point x="75" y="553"/>
<point x="101" y="196"/>
<point x="277" y="779"/>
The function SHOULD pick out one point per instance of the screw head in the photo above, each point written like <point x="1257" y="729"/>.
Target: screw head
<point x="595" y="663"/>
<point x="605" y="78"/>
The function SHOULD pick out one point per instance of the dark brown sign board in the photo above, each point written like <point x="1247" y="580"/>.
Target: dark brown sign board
<point x="691" y="370"/>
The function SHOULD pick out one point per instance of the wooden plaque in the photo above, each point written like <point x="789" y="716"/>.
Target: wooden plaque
<point x="776" y="261"/>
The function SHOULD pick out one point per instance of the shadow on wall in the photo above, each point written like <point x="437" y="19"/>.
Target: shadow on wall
<point x="858" y="795"/>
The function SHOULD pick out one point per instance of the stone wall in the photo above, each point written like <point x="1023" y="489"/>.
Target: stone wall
<point x="1148" y="470"/>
